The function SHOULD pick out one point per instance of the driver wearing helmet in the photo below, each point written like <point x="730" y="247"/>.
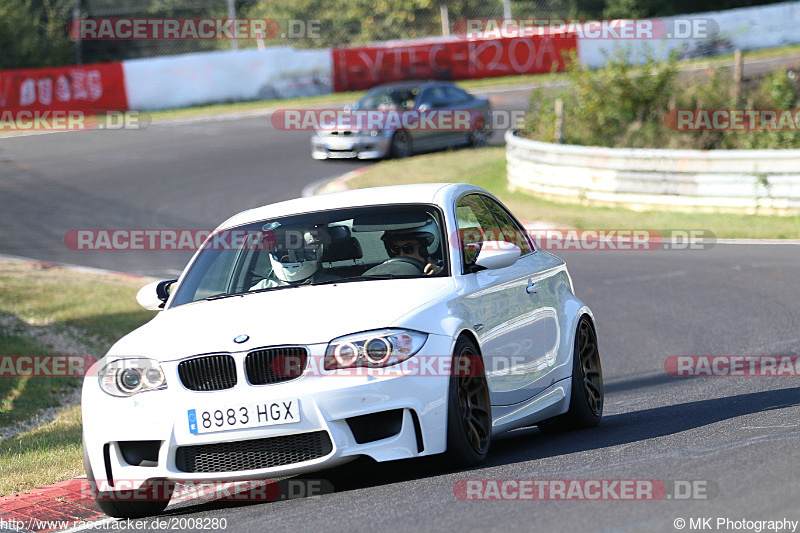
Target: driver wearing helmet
<point x="296" y="264"/>
<point x="417" y="244"/>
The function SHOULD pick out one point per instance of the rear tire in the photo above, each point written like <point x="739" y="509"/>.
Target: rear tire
<point x="478" y="138"/>
<point x="586" y="400"/>
<point x="129" y="503"/>
<point x="469" y="411"/>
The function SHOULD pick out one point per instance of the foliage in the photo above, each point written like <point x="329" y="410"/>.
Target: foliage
<point x="33" y="33"/>
<point x="363" y="21"/>
<point x="624" y="105"/>
<point x="653" y="8"/>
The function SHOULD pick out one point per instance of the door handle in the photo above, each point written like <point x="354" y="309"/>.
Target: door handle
<point x="532" y="287"/>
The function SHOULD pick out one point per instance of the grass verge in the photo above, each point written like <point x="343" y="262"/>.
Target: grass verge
<point x="487" y="168"/>
<point x="47" y="311"/>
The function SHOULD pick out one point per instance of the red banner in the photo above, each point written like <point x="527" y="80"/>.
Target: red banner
<point x="91" y="87"/>
<point x="448" y="59"/>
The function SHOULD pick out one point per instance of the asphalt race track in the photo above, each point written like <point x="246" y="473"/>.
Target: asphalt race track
<point x="180" y="175"/>
<point x="734" y="440"/>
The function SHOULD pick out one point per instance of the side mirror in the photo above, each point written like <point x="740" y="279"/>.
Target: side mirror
<point x="154" y="295"/>
<point x="424" y="108"/>
<point x="497" y="254"/>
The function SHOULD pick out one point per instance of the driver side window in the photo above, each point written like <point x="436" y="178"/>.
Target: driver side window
<point x="476" y="225"/>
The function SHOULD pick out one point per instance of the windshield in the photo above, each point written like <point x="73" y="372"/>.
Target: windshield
<point x="347" y="245"/>
<point x="387" y="99"/>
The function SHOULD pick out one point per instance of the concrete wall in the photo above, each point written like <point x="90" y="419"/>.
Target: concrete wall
<point x="226" y="76"/>
<point x="763" y="181"/>
<point x="748" y="28"/>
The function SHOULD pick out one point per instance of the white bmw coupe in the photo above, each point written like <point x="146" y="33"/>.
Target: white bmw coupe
<point x="392" y="322"/>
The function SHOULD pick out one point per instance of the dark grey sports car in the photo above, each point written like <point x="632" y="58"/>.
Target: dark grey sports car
<point x="402" y="118"/>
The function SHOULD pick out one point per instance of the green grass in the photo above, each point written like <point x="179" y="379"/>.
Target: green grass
<point x="43" y="455"/>
<point x="23" y="397"/>
<point x="95" y="309"/>
<point x="103" y="307"/>
<point x="487" y="168"/>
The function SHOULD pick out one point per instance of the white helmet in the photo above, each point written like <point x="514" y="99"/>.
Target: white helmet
<point x="296" y="262"/>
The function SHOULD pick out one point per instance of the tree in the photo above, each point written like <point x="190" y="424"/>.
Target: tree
<point x="33" y="33"/>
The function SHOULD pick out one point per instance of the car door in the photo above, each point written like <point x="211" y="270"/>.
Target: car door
<point x="458" y="100"/>
<point x="431" y="101"/>
<point x="518" y="333"/>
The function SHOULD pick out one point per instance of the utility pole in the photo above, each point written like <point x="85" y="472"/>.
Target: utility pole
<point x="76" y="15"/>
<point x="232" y="16"/>
<point x="506" y="9"/>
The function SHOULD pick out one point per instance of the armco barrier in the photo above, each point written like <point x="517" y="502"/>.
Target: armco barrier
<point x="763" y="181"/>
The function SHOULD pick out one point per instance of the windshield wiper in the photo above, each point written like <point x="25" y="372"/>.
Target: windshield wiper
<point x="222" y="295"/>
<point x="357" y="278"/>
<point x="228" y="295"/>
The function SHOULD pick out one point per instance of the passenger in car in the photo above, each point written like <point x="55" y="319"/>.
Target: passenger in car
<point x="296" y="265"/>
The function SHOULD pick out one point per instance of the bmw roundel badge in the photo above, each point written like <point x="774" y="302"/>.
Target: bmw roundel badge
<point x="239" y="339"/>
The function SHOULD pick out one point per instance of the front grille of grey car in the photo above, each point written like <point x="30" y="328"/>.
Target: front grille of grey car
<point x="335" y="133"/>
<point x="253" y="454"/>
<point x="207" y="373"/>
<point x="275" y="365"/>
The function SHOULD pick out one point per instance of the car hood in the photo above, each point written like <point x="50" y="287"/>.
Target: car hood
<point x="300" y="315"/>
<point x="352" y="123"/>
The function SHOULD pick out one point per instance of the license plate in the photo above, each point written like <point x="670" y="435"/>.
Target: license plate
<point x="225" y="418"/>
<point x="340" y="144"/>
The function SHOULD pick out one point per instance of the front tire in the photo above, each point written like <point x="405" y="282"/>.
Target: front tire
<point x="586" y="400"/>
<point x="147" y="501"/>
<point x="401" y="145"/>
<point x="469" y="413"/>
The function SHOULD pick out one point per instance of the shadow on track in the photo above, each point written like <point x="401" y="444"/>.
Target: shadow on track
<point x="529" y="444"/>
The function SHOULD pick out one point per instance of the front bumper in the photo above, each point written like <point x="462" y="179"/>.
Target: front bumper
<point x="328" y="404"/>
<point x="358" y="146"/>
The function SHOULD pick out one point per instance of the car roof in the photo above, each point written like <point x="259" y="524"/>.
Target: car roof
<point x="424" y="193"/>
<point x="407" y="84"/>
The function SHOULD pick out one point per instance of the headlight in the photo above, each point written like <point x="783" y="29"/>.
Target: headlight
<point x="373" y="349"/>
<point x="369" y="133"/>
<point x="125" y="377"/>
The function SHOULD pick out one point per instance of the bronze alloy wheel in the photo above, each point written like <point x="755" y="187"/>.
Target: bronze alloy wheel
<point x="586" y="400"/>
<point x="469" y="427"/>
<point x="591" y="373"/>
